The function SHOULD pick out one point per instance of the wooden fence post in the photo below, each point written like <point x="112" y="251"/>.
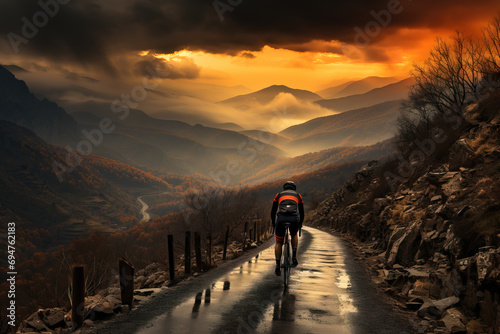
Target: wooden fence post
<point x="255" y="231"/>
<point x="209" y="251"/>
<point x="171" y="264"/>
<point x="226" y="239"/>
<point x="78" y="298"/>
<point x="197" y="250"/>
<point x="187" y="253"/>
<point x="259" y="235"/>
<point x="245" y="236"/>
<point x="126" y="271"/>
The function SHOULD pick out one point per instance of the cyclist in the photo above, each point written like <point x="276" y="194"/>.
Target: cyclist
<point x="287" y="207"/>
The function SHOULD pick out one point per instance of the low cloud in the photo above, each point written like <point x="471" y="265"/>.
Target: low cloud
<point x="177" y="68"/>
<point x="285" y="110"/>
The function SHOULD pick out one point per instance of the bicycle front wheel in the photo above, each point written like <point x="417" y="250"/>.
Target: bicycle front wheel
<point x="286" y="264"/>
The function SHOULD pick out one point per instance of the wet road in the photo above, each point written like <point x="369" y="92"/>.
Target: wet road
<point x="329" y="293"/>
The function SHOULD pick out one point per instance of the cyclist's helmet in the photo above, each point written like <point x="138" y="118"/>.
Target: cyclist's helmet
<point x="289" y="185"/>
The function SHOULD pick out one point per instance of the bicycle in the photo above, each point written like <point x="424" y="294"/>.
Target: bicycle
<point x="287" y="255"/>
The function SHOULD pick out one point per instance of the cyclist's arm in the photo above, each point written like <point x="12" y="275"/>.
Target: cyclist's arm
<point x="274" y="209"/>
<point x="273" y="212"/>
<point x="301" y="211"/>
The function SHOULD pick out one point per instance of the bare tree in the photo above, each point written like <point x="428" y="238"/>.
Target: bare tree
<point x="241" y="207"/>
<point x="491" y="42"/>
<point x="449" y="79"/>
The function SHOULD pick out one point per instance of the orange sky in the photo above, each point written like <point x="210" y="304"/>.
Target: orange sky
<point x="256" y="44"/>
<point x="313" y="70"/>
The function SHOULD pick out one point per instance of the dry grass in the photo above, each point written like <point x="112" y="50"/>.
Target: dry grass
<point x="482" y="143"/>
<point x="397" y="212"/>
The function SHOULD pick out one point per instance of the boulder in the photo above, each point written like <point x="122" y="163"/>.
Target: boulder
<point x="455" y="321"/>
<point x="380" y="203"/>
<point x="98" y="308"/>
<point x="488" y="309"/>
<point x="144" y="293"/>
<point x="444" y="211"/>
<point x="150" y="269"/>
<point x="35" y="322"/>
<point x="476" y="327"/>
<point x="452" y="284"/>
<point x="155" y="280"/>
<point x="435" y="308"/>
<point x="104" y="307"/>
<point x="428" y="310"/>
<point x="463" y="210"/>
<point x="452" y="244"/>
<point x="88" y="323"/>
<point x="425" y="288"/>
<point x="114" y="301"/>
<point x="52" y="317"/>
<point x="436" y="198"/>
<point x="416" y="272"/>
<point x="484" y="262"/>
<point x="414" y="304"/>
<point x="445" y="303"/>
<point x="453" y="185"/>
<point x="404" y="249"/>
<point x="461" y="155"/>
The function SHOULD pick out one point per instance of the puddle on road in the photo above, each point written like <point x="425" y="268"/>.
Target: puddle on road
<point x="317" y="301"/>
<point x="321" y="289"/>
<point x="202" y="313"/>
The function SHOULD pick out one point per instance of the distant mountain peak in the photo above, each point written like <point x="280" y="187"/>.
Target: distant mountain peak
<point x="268" y="94"/>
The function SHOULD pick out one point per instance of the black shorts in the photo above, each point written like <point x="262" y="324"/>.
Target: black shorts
<point x="280" y="226"/>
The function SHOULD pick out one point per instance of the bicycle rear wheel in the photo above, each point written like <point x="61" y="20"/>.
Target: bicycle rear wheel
<point x="286" y="261"/>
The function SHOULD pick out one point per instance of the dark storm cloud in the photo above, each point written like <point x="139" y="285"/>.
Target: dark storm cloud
<point x="92" y="33"/>
<point x="248" y="55"/>
<point x="179" y="68"/>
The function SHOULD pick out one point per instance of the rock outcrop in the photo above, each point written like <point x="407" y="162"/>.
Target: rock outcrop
<point x="433" y="241"/>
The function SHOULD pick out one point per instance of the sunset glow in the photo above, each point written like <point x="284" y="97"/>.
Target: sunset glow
<point x="305" y="70"/>
<point x="309" y="68"/>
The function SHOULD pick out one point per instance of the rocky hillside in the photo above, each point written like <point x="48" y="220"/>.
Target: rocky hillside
<point x="45" y="118"/>
<point x="433" y="241"/>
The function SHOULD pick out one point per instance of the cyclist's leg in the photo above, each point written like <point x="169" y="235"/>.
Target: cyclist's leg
<point x="294" y="228"/>
<point x="280" y="235"/>
<point x="295" y="241"/>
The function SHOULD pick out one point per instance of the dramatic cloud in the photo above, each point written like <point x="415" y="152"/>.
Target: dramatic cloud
<point x="93" y="33"/>
<point x="177" y="68"/>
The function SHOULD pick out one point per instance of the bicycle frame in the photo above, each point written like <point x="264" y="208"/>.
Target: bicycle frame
<point x="286" y="255"/>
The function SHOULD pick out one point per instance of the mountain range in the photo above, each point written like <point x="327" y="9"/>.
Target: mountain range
<point x="356" y="87"/>
<point x="360" y="127"/>
<point x="141" y="152"/>
<point x="170" y="146"/>
<point x="394" y="91"/>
